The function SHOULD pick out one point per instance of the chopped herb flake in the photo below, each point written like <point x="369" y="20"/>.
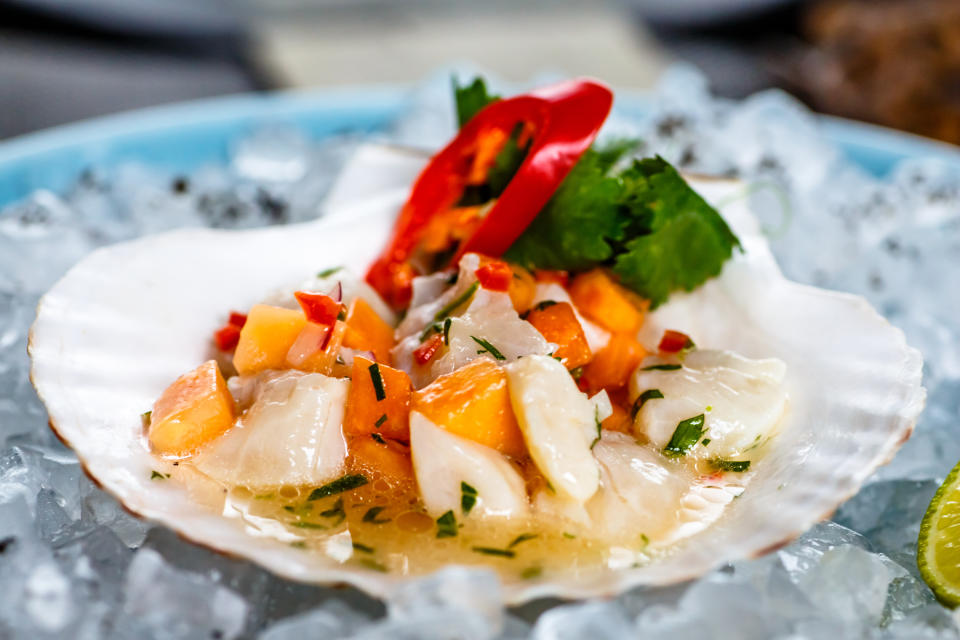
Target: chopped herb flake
<point x="468" y="497"/>
<point x="736" y="466"/>
<point x="380" y="421"/>
<point x="336" y="511"/>
<point x="446" y="331"/>
<point x="531" y="572"/>
<point x="576" y="373"/>
<point x="326" y="273"/>
<point x="377" y="381"/>
<point x="299" y="544"/>
<point x="491" y="551"/>
<point x="289" y="507"/>
<point x="370" y="563"/>
<point x="342" y="314"/>
<point x="545" y="304"/>
<point x="663" y="367"/>
<point x="363" y="548"/>
<point x="434" y="327"/>
<point x="372" y="513"/>
<point x="569" y="536"/>
<point x="378" y="438"/>
<point x="596" y="419"/>
<point x="488" y="348"/>
<point x="452" y="306"/>
<point x="649" y="394"/>
<point x="705" y="442"/>
<point x="645" y="539"/>
<point x="264" y="496"/>
<point x="687" y="434"/>
<point x="156" y="475"/>
<point x="523" y="537"/>
<point x="344" y="483"/>
<point x="145" y="418"/>
<point x="307" y="525"/>
<point x="447" y="525"/>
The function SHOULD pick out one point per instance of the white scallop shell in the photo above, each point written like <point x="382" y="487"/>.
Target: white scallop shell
<point x="130" y="318"/>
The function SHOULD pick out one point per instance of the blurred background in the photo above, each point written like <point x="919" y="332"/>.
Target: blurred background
<point x="893" y="62"/>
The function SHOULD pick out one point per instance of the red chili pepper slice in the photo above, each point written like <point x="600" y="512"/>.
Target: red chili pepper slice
<point x="237" y="319"/>
<point x="495" y="276"/>
<point x="425" y="352"/>
<point x="563" y="120"/>
<point x="319" y="307"/>
<point x="674" y="341"/>
<point x="227" y="337"/>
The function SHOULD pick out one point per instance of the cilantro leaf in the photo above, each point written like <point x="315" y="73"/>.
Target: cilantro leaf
<point x="573" y="231"/>
<point x="680" y="242"/>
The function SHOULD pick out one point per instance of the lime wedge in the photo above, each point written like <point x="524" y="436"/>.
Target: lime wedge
<point x="938" y="548"/>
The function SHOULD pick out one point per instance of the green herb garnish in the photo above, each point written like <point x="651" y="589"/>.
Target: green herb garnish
<point x="468" y="497"/>
<point x="380" y="421"/>
<point x="264" y="496"/>
<point x="370" y="563"/>
<point x="145" y="418"/>
<point x="488" y="348"/>
<point x="736" y="466"/>
<point x="377" y="380"/>
<point x="372" y="513"/>
<point x="434" y="327"/>
<point x="569" y="536"/>
<point x="363" y="548"/>
<point x="446" y="331"/>
<point x="596" y="419"/>
<point x="523" y="537"/>
<point x="344" y="483"/>
<point x="342" y="314"/>
<point x="156" y="475"/>
<point x="649" y="394"/>
<point x="307" y="525"/>
<point x="531" y="572"/>
<point x="663" y="367"/>
<point x="452" y="306"/>
<point x="544" y="304"/>
<point x="705" y="442"/>
<point x="447" y="525"/>
<point x="687" y="434"/>
<point x="576" y="373"/>
<point x="491" y="551"/>
<point x="378" y="438"/>
<point x="336" y="511"/>
<point x="326" y="273"/>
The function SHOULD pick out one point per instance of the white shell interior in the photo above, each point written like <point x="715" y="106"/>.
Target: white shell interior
<point x="129" y="319"/>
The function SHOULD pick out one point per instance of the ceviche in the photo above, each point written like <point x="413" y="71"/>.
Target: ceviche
<point x="485" y="392"/>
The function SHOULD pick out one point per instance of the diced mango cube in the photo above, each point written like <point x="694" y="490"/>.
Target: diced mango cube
<point x="473" y="402"/>
<point x="366" y="331"/>
<point x="387" y="461"/>
<point x="522" y="288"/>
<point x="266" y="338"/>
<point x="601" y="299"/>
<point x="191" y="412"/>
<point x="559" y="325"/>
<point x="323" y="359"/>
<point x="611" y="366"/>
<point x="378" y="401"/>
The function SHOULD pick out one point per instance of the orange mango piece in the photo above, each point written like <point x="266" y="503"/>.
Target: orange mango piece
<point x="522" y="289"/>
<point x="366" y="331"/>
<point x="559" y="325"/>
<point x="191" y="412"/>
<point x="266" y="338"/>
<point x="388" y="461"/>
<point x="473" y="402"/>
<point x="602" y="300"/>
<point x="368" y="412"/>
<point x="611" y="366"/>
<point x="324" y="360"/>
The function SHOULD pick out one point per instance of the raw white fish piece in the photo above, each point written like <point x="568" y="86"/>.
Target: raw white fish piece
<point x="558" y="422"/>
<point x="742" y="399"/>
<point x="443" y="460"/>
<point x="290" y="435"/>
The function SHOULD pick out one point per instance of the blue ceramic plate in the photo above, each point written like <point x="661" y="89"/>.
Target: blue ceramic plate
<point x="184" y="136"/>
